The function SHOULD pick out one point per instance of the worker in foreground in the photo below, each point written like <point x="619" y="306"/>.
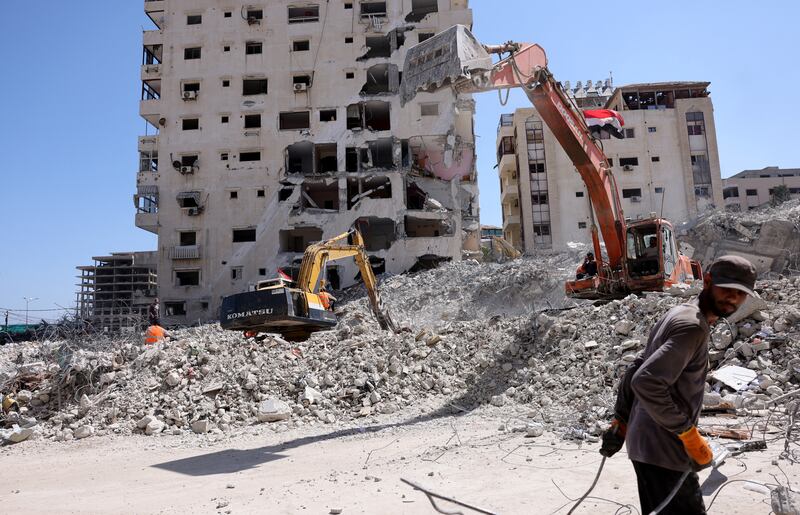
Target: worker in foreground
<point x="660" y="397"/>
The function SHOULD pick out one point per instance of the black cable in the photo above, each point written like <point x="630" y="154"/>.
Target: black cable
<point x="710" y="504"/>
<point x="594" y="483"/>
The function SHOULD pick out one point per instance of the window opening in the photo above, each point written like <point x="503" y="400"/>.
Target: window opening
<point x="253" y="47"/>
<point x="191" y="53"/>
<point x="244" y="235"/>
<point x="254" y="87"/>
<point x="294" y="120"/>
<point x="304" y="14"/>
<point x="302" y="45"/>
<point x="252" y="121"/>
<point x="249" y="156"/>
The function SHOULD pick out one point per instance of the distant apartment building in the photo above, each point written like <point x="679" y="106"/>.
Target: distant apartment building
<point x="276" y="124"/>
<point x="753" y="188"/>
<point x="115" y="292"/>
<point x="667" y="163"/>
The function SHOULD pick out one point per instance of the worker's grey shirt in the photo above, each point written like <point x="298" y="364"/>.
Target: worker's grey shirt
<point x="669" y="388"/>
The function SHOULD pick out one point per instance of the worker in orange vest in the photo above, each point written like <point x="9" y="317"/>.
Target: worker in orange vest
<point x="155" y="333"/>
<point x="327" y="299"/>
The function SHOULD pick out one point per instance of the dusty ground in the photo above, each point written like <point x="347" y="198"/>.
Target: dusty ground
<point x="356" y="470"/>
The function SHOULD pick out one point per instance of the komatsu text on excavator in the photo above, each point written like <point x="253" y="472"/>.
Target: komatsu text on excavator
<point x="640" y="255"/>
<point x="296" y="309"/>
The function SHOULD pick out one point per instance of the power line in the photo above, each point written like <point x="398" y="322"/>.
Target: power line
<point x="22" y="310"/>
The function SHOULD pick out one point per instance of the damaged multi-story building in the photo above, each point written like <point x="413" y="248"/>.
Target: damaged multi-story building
<point x="115" y="292"/>
<point x="275" y="124"/>
<point x="667" y="163"/>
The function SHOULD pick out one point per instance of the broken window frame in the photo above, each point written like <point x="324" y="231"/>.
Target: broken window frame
<point x="631" y="192"/>
<point x="192" y="53"/>
<point x="253" y="47"/>
<point x="379" y="11"/>
<point x="307" y="17"/>
<point x="178" y="282"/>
<point x="174" y="308"/>
<point x="301" y="45"/>
<point x="328" y="115"/>
<point x="421" y="11"/>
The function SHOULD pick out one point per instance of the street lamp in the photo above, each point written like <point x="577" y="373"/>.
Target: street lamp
<point x="28" y="300"/>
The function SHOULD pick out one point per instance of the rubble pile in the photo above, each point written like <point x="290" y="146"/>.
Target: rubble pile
<point x="472" y="334"/>
<point x="769" y="237"/>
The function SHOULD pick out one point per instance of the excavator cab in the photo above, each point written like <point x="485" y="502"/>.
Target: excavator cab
<point x="652" y="257"/>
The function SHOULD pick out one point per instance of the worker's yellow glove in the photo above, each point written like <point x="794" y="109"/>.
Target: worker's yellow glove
<point x="696" y="447"/>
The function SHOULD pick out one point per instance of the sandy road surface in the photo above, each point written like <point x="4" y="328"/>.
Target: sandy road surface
<point x="314" y="471"/>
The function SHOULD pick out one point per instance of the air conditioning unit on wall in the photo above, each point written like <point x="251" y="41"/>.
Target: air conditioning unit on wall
<point x="628" y="168"/>
<point x="193" y="211"/>
<point x="190" y="95"/>
<point x="187" y="169"/>
<point x="300" y="86"/>
<point x="636" y="199"/>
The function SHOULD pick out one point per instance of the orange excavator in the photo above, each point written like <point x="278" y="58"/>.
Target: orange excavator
<point x="642" y="255"/>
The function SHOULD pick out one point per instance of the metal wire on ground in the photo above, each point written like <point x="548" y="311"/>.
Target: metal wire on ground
<point x="432" y="496"/>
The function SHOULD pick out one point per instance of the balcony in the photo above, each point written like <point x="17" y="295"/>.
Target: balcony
<point x="511" y="220"/>
<point x="185" y="252"/>
<point x="151" y="71"/>
<point x="510" y="193"/>
<point x="148" y="143"/>
<point x="150" y="110"/>
<point x="152" y="39"/>
<point x="154" y="9"/>
<point x="507" y="165"/>
<point x="147" y="221"/>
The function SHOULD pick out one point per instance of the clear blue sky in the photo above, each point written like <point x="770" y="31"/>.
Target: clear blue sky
<point x="70" y="92"/>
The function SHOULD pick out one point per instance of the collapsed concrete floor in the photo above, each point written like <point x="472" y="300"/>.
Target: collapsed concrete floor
<point x="489" y="353"/>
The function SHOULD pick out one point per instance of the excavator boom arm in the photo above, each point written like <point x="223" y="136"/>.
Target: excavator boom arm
<point x="454" y="58"/>
<point x="346" y="245"/>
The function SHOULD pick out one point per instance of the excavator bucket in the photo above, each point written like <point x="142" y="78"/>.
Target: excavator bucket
<point x="446" y="58"/>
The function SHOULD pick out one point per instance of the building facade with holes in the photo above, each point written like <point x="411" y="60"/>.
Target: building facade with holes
<point x="271" y="125"/>
<point x="667" y="163"/>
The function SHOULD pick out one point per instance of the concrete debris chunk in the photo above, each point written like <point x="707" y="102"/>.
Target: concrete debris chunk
<point x="273" y="410"/>
<point x="83" y="432"/>
<point x="734" y="376"/>
<point x="201" y="426"/>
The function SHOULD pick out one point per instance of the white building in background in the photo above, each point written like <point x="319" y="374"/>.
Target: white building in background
<point x="275" y="124"/>
<point x="668" y="163"/>
<point x="753" y="188"/>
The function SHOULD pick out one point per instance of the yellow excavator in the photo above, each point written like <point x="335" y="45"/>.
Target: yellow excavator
<point x="295" y="310"/>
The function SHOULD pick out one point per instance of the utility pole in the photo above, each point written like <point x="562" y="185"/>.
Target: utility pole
<point x="6" y="329"/>
<point x="28" y="300"/>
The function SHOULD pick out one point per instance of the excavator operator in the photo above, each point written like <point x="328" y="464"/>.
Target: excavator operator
<point x="326" y="298"/>
<point x="588" y="268"/>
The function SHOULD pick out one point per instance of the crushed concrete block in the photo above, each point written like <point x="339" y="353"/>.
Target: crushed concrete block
<point x="534" y="430"/>
<point x="498" y="400"/>
<point x="154" y="427"/>
<point x="624" y="327"/>
<point x="201" y="426"/>
<point x="83" y="432"/>
<point x="173" y="379"/>
<point x="273" y="410"/>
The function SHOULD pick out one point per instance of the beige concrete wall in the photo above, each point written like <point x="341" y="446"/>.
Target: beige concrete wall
<point x="666" y="184"/>
<point x="329" y="59"/>
<point x="762" y="187"/>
